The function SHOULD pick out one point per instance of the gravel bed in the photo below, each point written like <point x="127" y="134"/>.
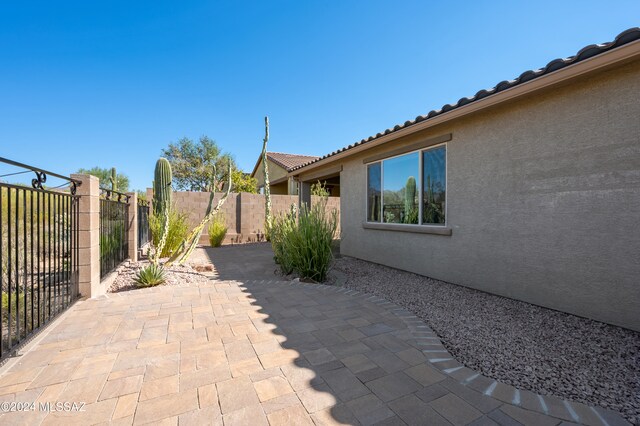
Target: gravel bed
<point x="526" y="346"/>
<point x="176" y="274"/>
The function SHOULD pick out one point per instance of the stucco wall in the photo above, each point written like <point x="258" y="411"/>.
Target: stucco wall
<point x="543" y="199"/>
<point x="275" y="172"/>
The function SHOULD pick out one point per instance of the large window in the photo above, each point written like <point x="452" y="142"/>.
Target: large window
<point x="409" y="188"/>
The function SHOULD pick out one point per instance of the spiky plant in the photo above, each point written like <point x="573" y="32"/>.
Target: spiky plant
<point x="162" y="187"/>
<point x="162" y="201"/>
<point x="113" y="179"/>
<point x="150" y="276"/>
<point x="410" y="210"/>
<point x="268" y="219"/>
<point x="217" y="231"/>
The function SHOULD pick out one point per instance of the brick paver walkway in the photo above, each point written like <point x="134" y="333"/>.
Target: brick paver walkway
<point x="241" y="351"/>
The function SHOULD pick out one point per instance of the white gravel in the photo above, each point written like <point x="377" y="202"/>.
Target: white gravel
<point x="175" y="274"/>
<point x="527" y="346"/>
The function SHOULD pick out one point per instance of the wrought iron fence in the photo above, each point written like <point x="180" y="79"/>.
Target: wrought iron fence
<point x="38" y="253"/>
<point x="114" y="217"/>
<point x="143" y="223"/>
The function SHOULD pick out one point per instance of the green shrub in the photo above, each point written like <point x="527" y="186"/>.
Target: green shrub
<point x="281" y="239"/>
<point x="112" y="242"/>
<point x="305" y="246"/>
<point x="320" y="189"/>
<point x="6" y="309"/>
<point x="150" y="276"/>
<point x="217" y="230"/>
<point x="178" y="231"/>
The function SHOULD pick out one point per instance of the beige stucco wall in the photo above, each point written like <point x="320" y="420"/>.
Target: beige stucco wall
<point x="543" y="199"/>
<point x="286" y="187"/>
<point x="275" y="172"/>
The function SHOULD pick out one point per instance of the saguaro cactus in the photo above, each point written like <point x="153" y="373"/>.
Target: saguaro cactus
<point x="113" y="179"/>
<point x="409" y="200"/>
<point x="162" y="200"/>
<point x="162" y="187"/>
<point x="409" y="194"/>
<point x="268" y="219"/>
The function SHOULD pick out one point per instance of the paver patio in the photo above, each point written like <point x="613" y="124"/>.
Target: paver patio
<point x="249" y="348"/>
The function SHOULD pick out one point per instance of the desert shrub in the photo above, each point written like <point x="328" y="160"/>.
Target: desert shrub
<point x="320" y="189"/>
<point x="150" y="276"/>
<point x="178" y="231"/>
<point x="217" y="230"/>
<point x="304" y="246"/>
<point x="11" y="309"/>
<point x="282" y="228"/>
<point x="111" y="242"/>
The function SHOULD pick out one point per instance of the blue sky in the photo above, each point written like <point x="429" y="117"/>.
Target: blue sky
<point x="107" y="84"/>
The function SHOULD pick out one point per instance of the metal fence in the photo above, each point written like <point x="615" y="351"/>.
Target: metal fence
<point x="38" y="253"/>
<point x="114" y="217"/>
<point x="143" y="223"/>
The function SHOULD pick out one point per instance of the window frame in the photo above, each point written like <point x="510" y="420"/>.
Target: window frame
<point x="420" y="179"/>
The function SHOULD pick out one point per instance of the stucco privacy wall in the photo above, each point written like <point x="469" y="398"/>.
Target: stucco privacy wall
<point x="543" y="199"/>
<point x="243" y="213"/>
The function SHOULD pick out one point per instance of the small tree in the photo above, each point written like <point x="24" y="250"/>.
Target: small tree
<point x="198" y="166"/>
<point x="243" y="182"/>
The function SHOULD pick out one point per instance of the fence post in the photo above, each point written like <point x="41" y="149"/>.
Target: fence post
<point x="89" y="235"/>
<point x="132" y="226"/>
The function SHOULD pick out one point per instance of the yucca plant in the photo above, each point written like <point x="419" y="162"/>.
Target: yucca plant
<point x="150" y="276"/>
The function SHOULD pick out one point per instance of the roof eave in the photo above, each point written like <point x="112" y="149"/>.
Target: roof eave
<point x="602" y="61"/>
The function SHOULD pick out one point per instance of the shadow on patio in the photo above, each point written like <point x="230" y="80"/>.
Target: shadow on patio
<point x="347" y="359"/>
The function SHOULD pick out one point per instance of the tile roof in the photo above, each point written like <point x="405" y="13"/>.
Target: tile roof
<point x="623" y="38"/>
<point x="290" y="161"/>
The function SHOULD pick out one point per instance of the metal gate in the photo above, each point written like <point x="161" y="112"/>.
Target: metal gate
<point x="143" y="223"/>
<point x="114" y="220"/>
<point x="38" y="252"/>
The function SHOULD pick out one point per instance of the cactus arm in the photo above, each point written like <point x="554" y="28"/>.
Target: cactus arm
<point x="267" y="190"/>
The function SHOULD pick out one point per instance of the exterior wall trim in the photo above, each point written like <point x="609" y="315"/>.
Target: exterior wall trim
<point x="617" y="56"/>
<point x="320" y="174"/>
<point x="409" y="148"/>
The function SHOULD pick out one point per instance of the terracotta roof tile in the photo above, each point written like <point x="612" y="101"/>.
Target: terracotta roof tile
<point x="290" y="161"/>
<point x="623" y="38"/>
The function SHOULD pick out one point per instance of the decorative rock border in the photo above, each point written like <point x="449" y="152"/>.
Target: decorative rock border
<point x="440" y="358"/>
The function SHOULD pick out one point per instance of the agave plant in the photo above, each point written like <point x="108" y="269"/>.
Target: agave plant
<point x="150" y="276"/>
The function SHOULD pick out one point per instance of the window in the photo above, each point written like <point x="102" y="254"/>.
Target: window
<point x="408" y="189"/>
<point x="434" y="185"/>
<point x="374" y="196"/>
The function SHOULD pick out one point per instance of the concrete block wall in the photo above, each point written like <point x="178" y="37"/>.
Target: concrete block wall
<point x="243" y="212"/>
<point x="194" y="205"/>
